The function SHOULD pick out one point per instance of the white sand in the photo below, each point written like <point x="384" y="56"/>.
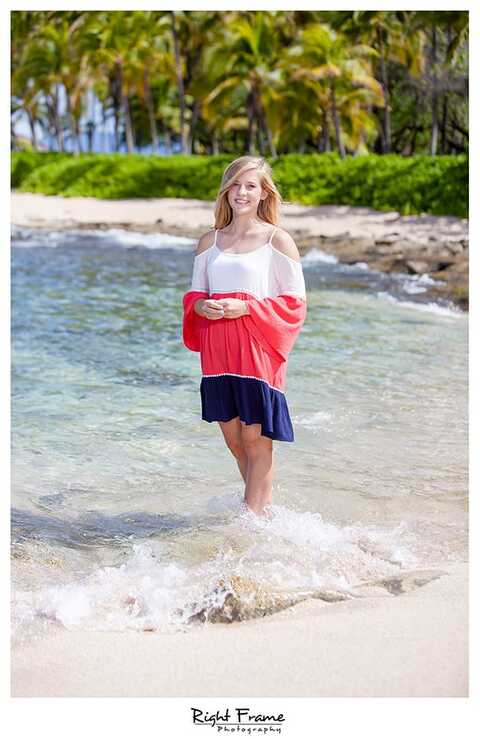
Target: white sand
<point x="413" y="645"/>
<point x="195" y="216"/>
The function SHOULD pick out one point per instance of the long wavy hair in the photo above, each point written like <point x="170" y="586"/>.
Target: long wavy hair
<point x="268" y="209"/>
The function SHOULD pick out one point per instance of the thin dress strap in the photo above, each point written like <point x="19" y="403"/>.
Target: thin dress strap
<point x="215" y="242"/>
<point x="271" y="235"/>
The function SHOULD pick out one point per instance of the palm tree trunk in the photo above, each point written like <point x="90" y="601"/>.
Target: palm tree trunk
<point x="262" y="123"/>
<point x="271" y="143"/>
<point x="193" y="123"/>
<point x="103" y="138"/>
<point x="268" y="133"/>
<point x="31" y="121"/>
<point x="387" y="128"/>
<point x="128" y="124"/>
<point x="443" y="126"/>
<point x="78" y="135"/>
<point x="73" y="126"/>
<point x="336" y="121"/>
<point x="116" y="102"/>
<point x="251" y="125"/>
<point x="323" y="139"/>
<point x="444" y="121"/>
<point x="56" y="121"/>
<point x="125" y="105"/>
<point x="151" y="111"/>
<point x="434" y="131"/>
<point x="167" y="140"/>
<point x="181" y="91"/>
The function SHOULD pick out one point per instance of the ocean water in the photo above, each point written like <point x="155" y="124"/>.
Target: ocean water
<point x="127" y="507"/>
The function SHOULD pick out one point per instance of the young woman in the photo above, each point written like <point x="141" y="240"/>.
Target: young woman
<point x="243" y="312"/>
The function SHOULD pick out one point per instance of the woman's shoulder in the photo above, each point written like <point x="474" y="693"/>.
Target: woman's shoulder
<point x="284" y="243"/>
<point x="205" y="242"/>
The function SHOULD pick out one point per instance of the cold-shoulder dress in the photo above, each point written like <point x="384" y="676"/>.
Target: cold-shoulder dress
<point x="244" y="360"/>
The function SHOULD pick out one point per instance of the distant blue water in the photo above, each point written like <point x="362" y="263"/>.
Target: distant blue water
<point x="121" y="490"/>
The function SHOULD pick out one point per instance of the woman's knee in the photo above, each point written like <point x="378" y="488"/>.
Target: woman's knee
<point x="233" y="436"/>
<point x="237" y="449"/>
<point x="255" y="444"/>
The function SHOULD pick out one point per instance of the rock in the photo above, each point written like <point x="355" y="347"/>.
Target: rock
<point x="339" y="237"/>
<point x="385" y="250"/>
<point x="439" y="251"/>
<point x="388" y="264"/>
<point x="238" y="598"/>
<point x="408" y="245"/>
<point x="419" y="268"/>
<point x="460" y="267"/>
<point x="455" y="247"/>
<point x="350" y="251"/>
<point x="406" y="583"/>
<point x="457" y="271"/>
<point x="389" y="238"/>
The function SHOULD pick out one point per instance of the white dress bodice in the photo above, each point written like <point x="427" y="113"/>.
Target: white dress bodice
<point x="263" y="272"/>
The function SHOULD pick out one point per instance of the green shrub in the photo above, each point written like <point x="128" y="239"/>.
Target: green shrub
<point x="419" y="184"/>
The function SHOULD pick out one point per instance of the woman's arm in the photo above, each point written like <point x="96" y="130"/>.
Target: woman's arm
<point x="276" y="321"/>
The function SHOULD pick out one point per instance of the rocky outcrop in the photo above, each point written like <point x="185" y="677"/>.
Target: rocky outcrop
<point x="238" y="598"/>
<point x="444" y="260"/>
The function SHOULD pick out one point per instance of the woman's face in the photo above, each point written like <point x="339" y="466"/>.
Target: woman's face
<point x="246" y="192"/>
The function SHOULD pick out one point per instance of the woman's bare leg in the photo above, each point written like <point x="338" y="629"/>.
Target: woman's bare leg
<point x="259" y="452"/>
<point x="232" y="432"/>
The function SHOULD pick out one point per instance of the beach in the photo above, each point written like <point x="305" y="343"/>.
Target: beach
<point x="388" y="242"/>
<point x="409" y="645"/>
<point x="125" y="503"/>
<point x="162" y="391"/>
<point x="332" y="383"/>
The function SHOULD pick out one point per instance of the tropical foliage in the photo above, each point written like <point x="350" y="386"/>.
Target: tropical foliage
<point x="417" y="184"/>
<point x="213" y="82"/>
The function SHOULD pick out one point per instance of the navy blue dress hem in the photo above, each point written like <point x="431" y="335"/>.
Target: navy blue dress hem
<point x="253" y="400"/>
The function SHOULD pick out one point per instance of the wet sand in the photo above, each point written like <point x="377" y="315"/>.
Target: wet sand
<point x="409" y="645"/>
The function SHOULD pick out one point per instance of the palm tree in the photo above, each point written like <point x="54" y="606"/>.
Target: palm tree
<point x="340" y="71"/>
<point x="282" y="79"/>
<point x="154" y="59"/>
<point x="25" y="89"/>
<point x="250" y="53"/>
<point x="150" y="60"/>
<point x="396" y="37"/>
<point x="117" y="56"/>
<point x="42" y="61"/>
<point x="450" y="30"/>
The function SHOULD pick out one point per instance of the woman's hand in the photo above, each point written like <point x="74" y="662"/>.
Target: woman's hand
<point x="209" y="308"/>
<point x="223" y="308"/>
<point x="234" y="307"/>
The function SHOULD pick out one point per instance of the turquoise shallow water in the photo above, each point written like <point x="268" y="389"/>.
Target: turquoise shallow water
<point x="126" y="505"/>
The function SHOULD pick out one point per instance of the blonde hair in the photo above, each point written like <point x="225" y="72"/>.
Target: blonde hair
<point x="268" y="209"/>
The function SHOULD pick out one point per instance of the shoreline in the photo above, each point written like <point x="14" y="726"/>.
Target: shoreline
<point x="312" y="649"/>
<point x="409" y="639"/>
<point x="386" y="241"/>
